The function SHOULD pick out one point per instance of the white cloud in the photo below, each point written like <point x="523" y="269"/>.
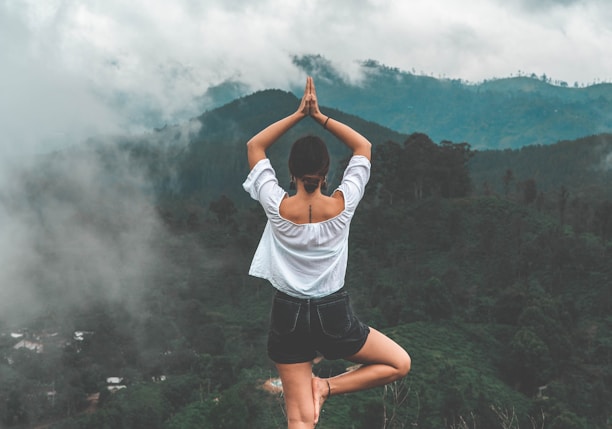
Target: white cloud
<point x="75" y="68"/>
<point x="91" y="232"/>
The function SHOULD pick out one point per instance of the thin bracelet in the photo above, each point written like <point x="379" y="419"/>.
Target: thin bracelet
<point x="325" y="123"/>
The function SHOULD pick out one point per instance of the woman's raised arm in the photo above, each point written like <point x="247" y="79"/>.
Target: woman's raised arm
<point x="355" y="141"/>
<point x="257" y="145"/>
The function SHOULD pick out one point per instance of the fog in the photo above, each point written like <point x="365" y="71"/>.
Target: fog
<point x="76" y="226"/>
<point x="71" y="70"/>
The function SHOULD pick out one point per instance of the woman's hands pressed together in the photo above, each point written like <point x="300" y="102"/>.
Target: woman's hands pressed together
<point x="351" y="138"/>
<point x="309" y="105"/>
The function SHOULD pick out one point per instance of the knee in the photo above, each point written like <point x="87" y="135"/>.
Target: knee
<point x="403" y="365"/>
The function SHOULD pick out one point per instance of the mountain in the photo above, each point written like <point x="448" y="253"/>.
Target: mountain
<point x="494" y="114"/>
<point x="209" y="154"/>
<point x="205" y="158"/>
<point x="128" y="258"/>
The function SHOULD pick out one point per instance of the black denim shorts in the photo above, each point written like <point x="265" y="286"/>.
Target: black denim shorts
<point x="301" y="328"/>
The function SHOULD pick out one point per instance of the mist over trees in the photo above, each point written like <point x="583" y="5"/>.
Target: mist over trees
<point x="126" y="300"/>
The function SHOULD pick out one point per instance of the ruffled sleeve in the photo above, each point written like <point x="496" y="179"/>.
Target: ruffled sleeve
<point x="262" y="185"/>
<point x="354" y="181"/>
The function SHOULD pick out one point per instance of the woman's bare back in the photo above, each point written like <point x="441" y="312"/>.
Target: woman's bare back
<point x="311" y="208"/>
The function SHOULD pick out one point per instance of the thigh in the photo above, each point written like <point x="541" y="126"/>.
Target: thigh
<point x="381" y="349"/>
<point x="297" y="390"/>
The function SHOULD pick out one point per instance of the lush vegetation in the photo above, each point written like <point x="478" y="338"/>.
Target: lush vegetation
<point x="501" y="296"/>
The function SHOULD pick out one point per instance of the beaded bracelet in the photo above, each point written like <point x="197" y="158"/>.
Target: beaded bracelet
<point x="325" y="123"/>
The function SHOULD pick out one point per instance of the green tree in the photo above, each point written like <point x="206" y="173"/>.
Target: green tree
<point x="603" y="221"/>
<point x="563" y="196"/>
<point x="437" y="298"/>
<point x="224" y="208"/>
<point x="418" y="160"/>
<point x="530" y="360"/>
<point x="192" y="416"/>
<point x="507" y="179"/>
<point x="530" y="191"/>
<point x="451" y="167"/>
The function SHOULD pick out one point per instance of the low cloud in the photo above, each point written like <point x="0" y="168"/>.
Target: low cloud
<point x="606" y="164"/>
<point x="76" y="227"/>
<point x="72" y="70"/>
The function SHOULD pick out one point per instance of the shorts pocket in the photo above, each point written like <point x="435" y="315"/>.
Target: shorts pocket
<point x="284" y="316"/>
<point x="335" y="317"/>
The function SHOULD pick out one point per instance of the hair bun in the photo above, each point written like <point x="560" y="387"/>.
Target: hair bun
<point x="311" y="183"/>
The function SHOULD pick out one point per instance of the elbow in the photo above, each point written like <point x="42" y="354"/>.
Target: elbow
<point x="254" y="153"/>
<point x="251" y="147"/>
<point x="364" y="149"/>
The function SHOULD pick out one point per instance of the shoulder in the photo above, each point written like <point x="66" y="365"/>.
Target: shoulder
<point x="262" y="185"/>
<point x="355" y="178"/>
<point x="336" y="202"/>
<point x="357" y="172"/>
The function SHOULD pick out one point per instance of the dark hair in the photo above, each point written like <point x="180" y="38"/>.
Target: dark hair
<point x="309" y="161"/>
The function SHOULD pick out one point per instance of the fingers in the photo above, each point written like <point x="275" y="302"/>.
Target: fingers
<point x="311" y="87"/>
<point x="311" y="98"/>
<point x="304" y="103"/>
<point x="309" y="103"/>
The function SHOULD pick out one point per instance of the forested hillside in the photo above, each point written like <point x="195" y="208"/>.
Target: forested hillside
<point x="582" y="166"/>
<point x="131" y="305"/>
<point x="504" y="113"/>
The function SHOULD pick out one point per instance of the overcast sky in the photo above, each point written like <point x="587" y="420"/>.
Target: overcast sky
<point x="70" y="69"/>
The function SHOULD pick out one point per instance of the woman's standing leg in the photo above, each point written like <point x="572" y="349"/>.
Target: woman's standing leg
<point x="383" y="361"/>
<point x="297" y="389"/>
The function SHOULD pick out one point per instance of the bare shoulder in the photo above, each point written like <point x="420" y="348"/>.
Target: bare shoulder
<point x="336" y="203"/>
<point x="337" y="199"/>
<point x="321" y="208"/>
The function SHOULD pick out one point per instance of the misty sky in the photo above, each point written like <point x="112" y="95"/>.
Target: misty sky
<point x="71" y="69"/>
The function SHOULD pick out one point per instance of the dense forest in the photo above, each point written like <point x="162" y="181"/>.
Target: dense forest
<point x="135" y="309"/>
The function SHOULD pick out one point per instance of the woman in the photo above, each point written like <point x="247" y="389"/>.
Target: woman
<point x="303" y="253"/>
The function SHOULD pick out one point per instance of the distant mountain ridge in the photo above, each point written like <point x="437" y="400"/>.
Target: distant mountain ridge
<point x="495" y="114"/>
<point x="207" y="156"/>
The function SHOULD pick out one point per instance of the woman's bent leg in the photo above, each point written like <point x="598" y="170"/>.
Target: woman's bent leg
<point x="297" y="390"/>
<point x="383" y="361"/>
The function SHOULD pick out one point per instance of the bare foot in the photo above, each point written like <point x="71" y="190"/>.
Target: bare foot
<point x="320" y="392"/>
